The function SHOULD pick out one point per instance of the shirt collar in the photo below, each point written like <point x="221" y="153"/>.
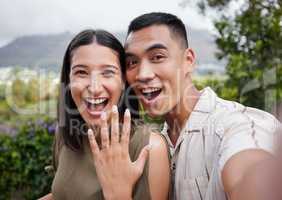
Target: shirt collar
<point x="205" y="105"/>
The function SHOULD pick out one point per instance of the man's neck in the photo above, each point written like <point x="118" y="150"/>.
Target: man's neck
<point x="177" y="118"/>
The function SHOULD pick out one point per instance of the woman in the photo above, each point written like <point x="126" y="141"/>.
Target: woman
<point x="92" y="83"/>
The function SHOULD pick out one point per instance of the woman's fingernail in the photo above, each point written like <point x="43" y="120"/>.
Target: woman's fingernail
<point x="103" y="115"/>
<point x="127" y="113"/>
<point x="114" y="109"/>
<point x="90" y="132"/>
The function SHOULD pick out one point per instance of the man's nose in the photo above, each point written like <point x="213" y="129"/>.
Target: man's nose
<point x="145" y="73"/>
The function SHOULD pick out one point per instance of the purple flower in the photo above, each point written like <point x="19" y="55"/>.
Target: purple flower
<point x="52" y="128"/>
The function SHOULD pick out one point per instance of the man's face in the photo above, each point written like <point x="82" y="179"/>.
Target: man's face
<point x="156" y="67"/>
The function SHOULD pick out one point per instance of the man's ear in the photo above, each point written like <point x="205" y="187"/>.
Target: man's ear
<point x="189" y="60"/>
<point x="123" y="85"/>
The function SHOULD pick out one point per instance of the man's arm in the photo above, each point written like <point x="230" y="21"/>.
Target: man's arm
<point x="238" y="174"/>
<point x="47" y="197"/>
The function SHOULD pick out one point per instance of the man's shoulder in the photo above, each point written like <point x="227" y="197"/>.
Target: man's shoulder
<point x="225" y="115"/>
<point x="230" y="112"/>
<point x="212" y="103"/>
<point x="228" y="107"/>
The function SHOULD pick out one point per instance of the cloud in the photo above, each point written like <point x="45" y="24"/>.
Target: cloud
<point x="28" y="17"/>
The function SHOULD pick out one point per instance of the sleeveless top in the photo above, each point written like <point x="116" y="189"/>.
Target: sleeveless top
<point x="76" y="178"/>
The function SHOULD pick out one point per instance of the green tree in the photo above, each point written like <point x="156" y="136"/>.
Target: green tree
<point x="2" y="92"/>
<point x="18" y="92"/>
<point x="250" y="40"/>
<point x="32" y="93"/>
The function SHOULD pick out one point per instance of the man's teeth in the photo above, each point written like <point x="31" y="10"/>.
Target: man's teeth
<point x="96" y="101"/>
<point x="150" y="90"/>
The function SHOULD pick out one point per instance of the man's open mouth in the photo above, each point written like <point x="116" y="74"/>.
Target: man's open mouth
<point x="151" y="93"/>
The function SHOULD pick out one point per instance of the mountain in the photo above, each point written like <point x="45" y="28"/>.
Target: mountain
<point x="46" y="51"/>
<point x="35" y="51"/>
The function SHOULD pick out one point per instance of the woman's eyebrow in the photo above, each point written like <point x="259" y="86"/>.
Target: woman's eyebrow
<point x="78" y="66"/>
<point x="111" y="66"/>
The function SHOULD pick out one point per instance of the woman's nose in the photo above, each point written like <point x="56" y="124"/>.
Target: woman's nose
<point x="95" y="86"/>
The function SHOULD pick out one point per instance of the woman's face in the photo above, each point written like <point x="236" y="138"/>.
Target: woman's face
<point x="95" y="80"/>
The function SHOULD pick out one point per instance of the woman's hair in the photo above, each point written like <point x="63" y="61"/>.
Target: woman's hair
<point x="70" y="123"/>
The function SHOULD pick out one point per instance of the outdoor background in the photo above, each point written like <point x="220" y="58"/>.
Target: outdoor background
<point x="238" y="47"/>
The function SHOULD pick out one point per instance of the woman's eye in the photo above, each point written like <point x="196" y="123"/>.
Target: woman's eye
<point x="81" y="73"/>
<point x="108" y="73"/>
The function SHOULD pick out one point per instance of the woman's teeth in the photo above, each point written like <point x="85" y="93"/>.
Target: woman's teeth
<point x="96" y="101"/>
<point x="96" y="105"/>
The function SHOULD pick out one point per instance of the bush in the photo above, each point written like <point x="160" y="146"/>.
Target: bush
<point x="22" y="161"/>
<point x="219" y="85"/>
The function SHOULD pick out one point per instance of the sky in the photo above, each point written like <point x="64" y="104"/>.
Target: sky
<point x="29" y="17"/>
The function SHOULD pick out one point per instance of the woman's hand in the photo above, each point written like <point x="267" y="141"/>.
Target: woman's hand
<point x="116" y="172"/>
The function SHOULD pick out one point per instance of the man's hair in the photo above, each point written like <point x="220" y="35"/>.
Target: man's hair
<point x="174" y="24"/>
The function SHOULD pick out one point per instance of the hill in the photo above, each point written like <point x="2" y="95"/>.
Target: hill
<point x="46" y="51"/>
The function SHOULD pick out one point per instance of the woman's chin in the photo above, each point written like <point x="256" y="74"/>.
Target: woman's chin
<point x="94" y="122"/>
<point x="91" y="120"/>
<point x="93" y="117"/>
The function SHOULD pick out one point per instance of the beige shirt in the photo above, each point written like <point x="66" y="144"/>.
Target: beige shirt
<point x="216" y="130"/>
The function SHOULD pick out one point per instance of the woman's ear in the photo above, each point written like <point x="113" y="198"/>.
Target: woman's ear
<point x="189" y="59"/>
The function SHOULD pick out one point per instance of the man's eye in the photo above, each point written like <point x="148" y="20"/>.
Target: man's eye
<point x="157" y="58"/>
<point x="131" y="63"/>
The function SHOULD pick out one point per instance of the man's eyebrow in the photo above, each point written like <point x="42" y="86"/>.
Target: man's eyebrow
<point x="150" y="48"/>
<point x="156" y="46"/>
<point x="129" y="54"/>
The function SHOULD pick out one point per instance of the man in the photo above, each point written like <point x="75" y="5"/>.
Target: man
<point x="214" y="143"/>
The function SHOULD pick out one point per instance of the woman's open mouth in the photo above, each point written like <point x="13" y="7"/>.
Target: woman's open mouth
<point x="95" y="106"/>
